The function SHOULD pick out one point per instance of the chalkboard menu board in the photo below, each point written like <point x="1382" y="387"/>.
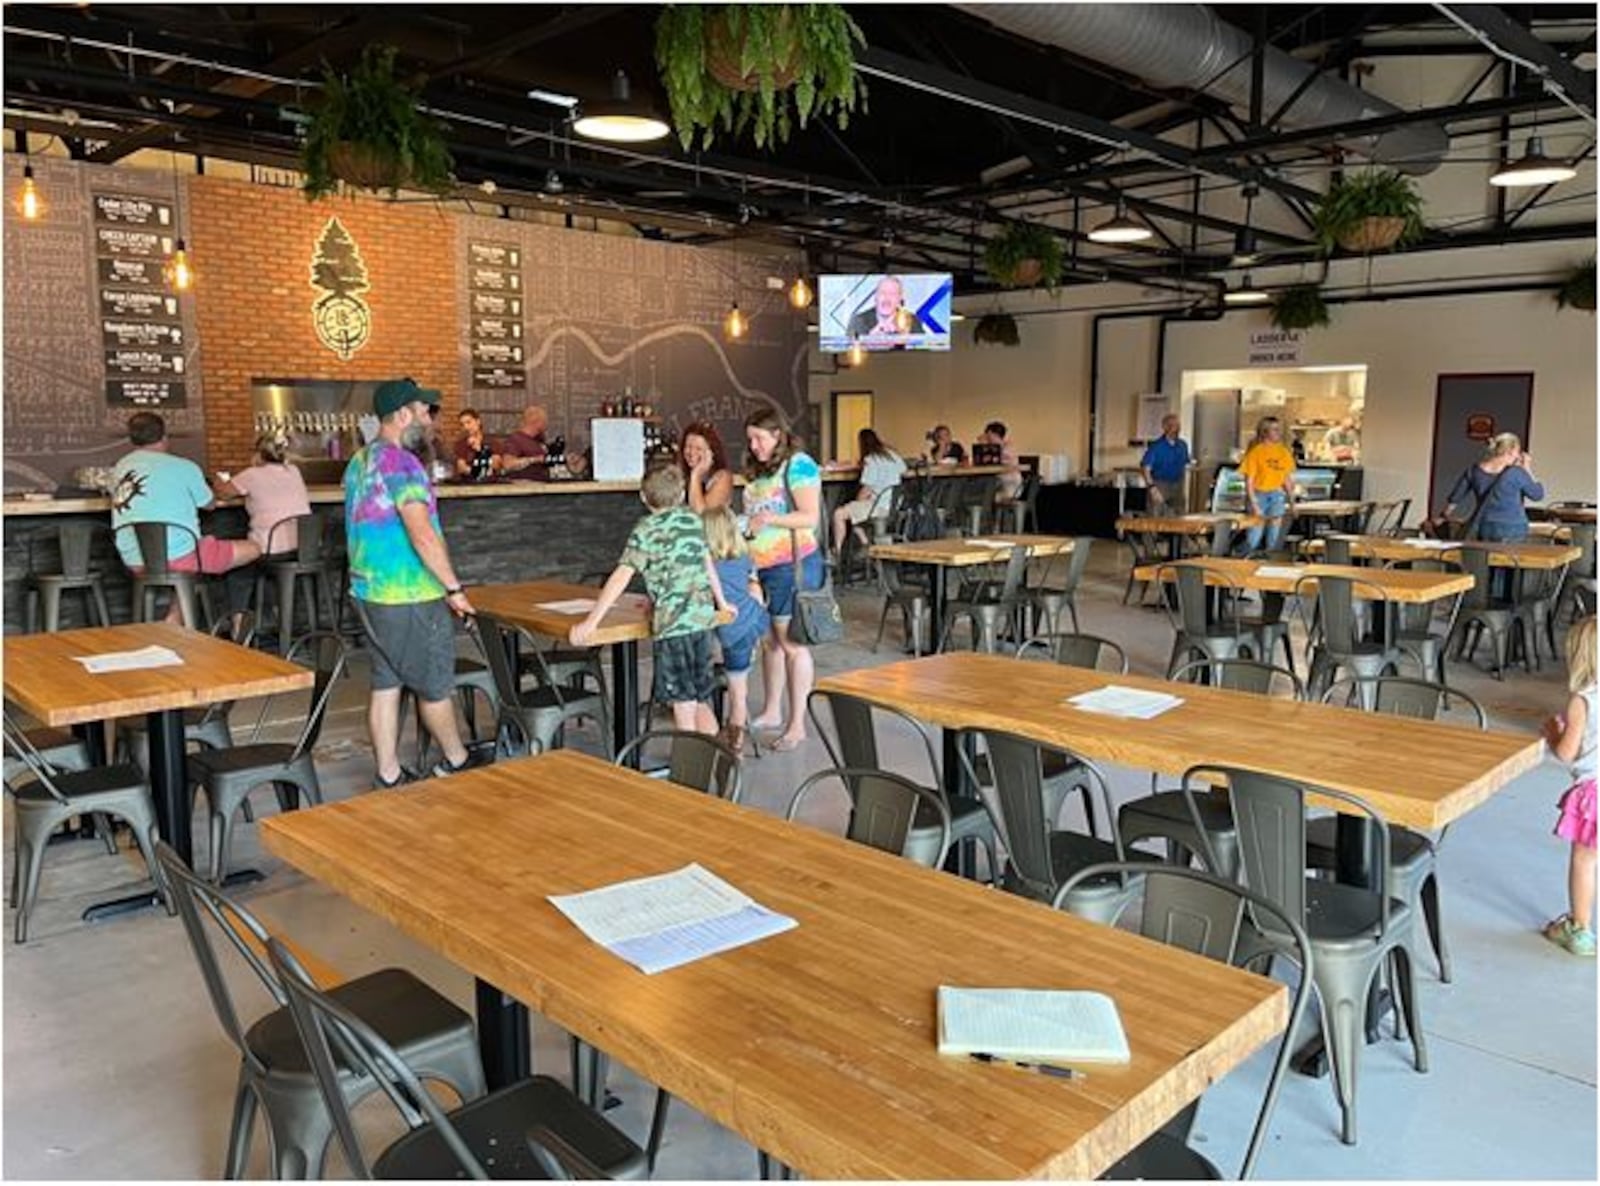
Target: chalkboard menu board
<point x="494" y="281"/>
<point x="141" y="323"/>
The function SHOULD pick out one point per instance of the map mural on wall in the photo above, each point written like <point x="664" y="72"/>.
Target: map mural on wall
<point x="569" y="318"/>
<point x="90" y="332"/>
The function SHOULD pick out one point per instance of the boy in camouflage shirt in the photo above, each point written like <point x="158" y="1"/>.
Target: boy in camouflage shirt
<point x="668" y="549"/>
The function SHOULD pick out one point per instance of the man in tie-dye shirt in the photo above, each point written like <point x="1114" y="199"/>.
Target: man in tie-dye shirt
<point x="402" y="579"/>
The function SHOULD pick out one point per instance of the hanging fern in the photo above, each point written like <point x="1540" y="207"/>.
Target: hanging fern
<point x="367" y="124"/>
<point x="1376" y="194"/>
<point x="1578" y="290"/>
<point x="764" y="69"/>
<point x="1300" y="307"/>
<point x="1024" y="254"/>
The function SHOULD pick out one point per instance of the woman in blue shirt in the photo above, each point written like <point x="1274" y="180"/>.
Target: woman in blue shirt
<point x="1498" y="485"/>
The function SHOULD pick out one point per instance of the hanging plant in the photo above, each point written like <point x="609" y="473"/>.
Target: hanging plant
<point x="1023" y="255"/>
<point x="761" y="68"/>
<point x="1577" y="292"/>
<point x="367" y="131"/>
<point x="1370" y="211"/>
<point x="996" y="329"/>
<point x="1300" y="307"/>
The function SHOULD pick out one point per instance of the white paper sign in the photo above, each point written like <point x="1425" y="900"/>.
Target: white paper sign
<point x="1275" y="347"/>
<point x="618" y="450"/>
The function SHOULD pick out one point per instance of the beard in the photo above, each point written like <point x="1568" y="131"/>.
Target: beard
<point x="415" y="439"/>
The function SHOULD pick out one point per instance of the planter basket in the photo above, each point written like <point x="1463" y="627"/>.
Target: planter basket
<point x="363" y="167"/>
<point x="724" y="54"/>
<point x="1027" y="273"/>
<point x="1373" y="234"/>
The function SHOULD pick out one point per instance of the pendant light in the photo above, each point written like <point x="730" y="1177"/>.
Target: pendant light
<point x="800" y="294"/>
<point x="1533" y="168"/>
<point x="857" y="354"/>
<point x="735" y="325"/>
<point x="1120" y="228"/>
<point x="1246" y="294"/>
<point x="621" y="118"/>
<point x="180" y="276"/>
<point x="29" y="204"/>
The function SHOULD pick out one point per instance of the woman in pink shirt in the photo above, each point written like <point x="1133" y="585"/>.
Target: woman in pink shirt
<point x="273" y="493"/>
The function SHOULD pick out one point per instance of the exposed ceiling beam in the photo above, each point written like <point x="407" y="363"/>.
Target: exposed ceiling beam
<point x="1512" y="41"/>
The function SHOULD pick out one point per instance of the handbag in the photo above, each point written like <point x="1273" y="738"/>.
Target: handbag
<point x="816" y="618"/>
<point x="1462" y="529"/>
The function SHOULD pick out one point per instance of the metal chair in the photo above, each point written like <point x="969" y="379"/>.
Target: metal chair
<point x="1415" y="633"/>
<point x="1579" y="591"/>
<point x="1335" y="639"/>
<point x="75" y="541"/>
<point x="912" y="598"/>
<point x="1389" y="517"/>
<point x="1355" y="933"/>
<point x="1143" y="551"/>
<point x="532" y="1129"/>
<point x="1195" y="631"/>
<point x="696" y="760"/>
<point x="472" y="679"/>
<point x="1048" y="601"/>
<point x="51" y="796"/>
<point x="311" y="563"/>
<point x="886" y="813"/>
<point x="1076" y="650"/>
<point x="152" y="541"/>
<point x="1537" y="594"/>
<point x="227" y="776"/>
<point x="1024" y="511"/>
<point x="436" y="1037"/>
<point x="988" y="604"/>
<point x="1042" y="857"/>
<point x="853" y="745"/>
<point x="1216" y="919"/>
<point x="1413" y="855"/>
<point x="1167" y="815"/>
<point x="537" y="714"/>
<point x="1483" y="610"/>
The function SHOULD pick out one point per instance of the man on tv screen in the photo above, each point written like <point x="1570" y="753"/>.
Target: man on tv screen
<point x="887" y="316"/>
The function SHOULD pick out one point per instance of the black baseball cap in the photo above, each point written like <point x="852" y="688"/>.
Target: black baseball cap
<point x="393" y="394"/>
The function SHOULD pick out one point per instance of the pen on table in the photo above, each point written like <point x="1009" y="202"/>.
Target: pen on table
<point x="1040" y="1068"/>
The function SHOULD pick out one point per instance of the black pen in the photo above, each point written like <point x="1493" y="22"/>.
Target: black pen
<point x="1039" y="1068"/>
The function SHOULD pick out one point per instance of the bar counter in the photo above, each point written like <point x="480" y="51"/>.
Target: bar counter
<point x="497" y="532"/>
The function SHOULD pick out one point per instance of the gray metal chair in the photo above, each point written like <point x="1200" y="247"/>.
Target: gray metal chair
<point x="912" y="598"/>
<point x="1041" y="856"/>
<point x="44" y="797"/>
<point x="1417" y="634"/>
<point x="1578" y="594"/>
<point x="1537" y="595"/>
<point x="1050" y="601"/>
<point x="227" y="776"/>
<point x="1196" y="633"/>
<point x="993" y="607"/>
<point x="853" y="744"/>
<point x="533" y="717"/>
<point x="532" y="1129"/>
<point x="1413" y="855"/>
<point x="1355" y="933"/>
<point x="274" y="1074"/>
<point x="1335" y="636"/>
<point x="157" y="574"/>
<point x="1076" y="650"/>
<point x="696" y="760"/>
<point x="1482" y="610"/>
<point x="1166" y="815"/>
<point x="886" y="812"/>
<point x="1024" y="510"/>
<point x="59" y="750"/>
<point x="74" y="573"/>
<point x="1143" y="550"/>
<point x="311" y="563"/>
<point x="1217" y="919"/>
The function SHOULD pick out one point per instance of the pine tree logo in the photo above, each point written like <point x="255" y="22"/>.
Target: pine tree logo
<point x="342" y="318"/>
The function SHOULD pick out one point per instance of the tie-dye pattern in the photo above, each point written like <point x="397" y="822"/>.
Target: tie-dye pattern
<point x="384" y="566"/>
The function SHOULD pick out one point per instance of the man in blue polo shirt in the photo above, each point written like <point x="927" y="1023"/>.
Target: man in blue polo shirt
<point x="1166" y="466"/>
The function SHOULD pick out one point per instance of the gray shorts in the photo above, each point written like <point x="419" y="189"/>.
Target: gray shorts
<point x="413" y="646"/>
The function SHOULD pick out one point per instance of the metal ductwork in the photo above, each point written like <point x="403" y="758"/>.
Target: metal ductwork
<point x="1187" y="46"/>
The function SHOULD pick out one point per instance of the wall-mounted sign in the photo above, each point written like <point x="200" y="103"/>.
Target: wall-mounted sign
<point x="142" y="362"/>
<point x="1480" y="426"/>
<point x="499" y="378"/>
<point x="141" y="273"/>
<point x="494" y="279"/>
<point x="494" y="304"/>
<point x="126" y="242"/>
<point x="496" y="329"/>
<point x="342" y="319"/>
<point x="149" y="334"/>
<point x="145" y="306"/>
<point x="1275" y="347"/>
<point x="496" y="353"/>
<point x="131" y="210"/>
<point x="494" y="255"/>
<point x="146" y="393"/>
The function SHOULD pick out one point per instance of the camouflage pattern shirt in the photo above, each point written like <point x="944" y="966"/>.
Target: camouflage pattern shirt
<point x="668" y="549"/>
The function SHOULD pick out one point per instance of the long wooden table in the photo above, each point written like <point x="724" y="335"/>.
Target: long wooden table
<point x="819" y="1045"/>
<point x="1570" y="514"/>
<point x="44" y="678"/>
<point x="1501" y="554"/>
<point x="941" y="554"/>
<point x="1396" y="584"/>
<point x="1178" y="528"/>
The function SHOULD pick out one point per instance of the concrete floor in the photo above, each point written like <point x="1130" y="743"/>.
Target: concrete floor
<point x="115" y="1067"/>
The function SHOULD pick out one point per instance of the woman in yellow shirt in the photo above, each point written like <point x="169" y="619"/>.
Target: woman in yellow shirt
<point x="1266" y="468"/>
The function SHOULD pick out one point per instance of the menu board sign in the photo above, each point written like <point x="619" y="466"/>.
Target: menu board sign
<point x="119" y="241"/>
<point x="494" y="280"/>
<point x="495" y="304"/>
<point x="141" y="273"/>
<point x="152" y="335"/>
<point x="496" y="353"/>
<point x="145" y="393"/>
<point x="499" y="378"/>
<point x="144" y="306"/>
<point x="496" y="329"/>
<point x="132" y="210"/>
<point x="142" y="362"/>
<point x="504" y="256"/>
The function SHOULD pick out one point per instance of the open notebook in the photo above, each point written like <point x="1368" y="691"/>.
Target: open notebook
<point x="1028" y="1023"/>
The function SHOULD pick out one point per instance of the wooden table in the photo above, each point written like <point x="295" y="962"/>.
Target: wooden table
<point x="1550" y="530"/>
<point x="940" y="554"/>
<point x="1331" y="508"/>
<point x="1501" y="554"/>
<point x="1178" y="528"/>
<point x="1396" y="584"/>
<point x="1570" y="514"/>
<point x="817" y="1045"/>
<point x="43" y="677"/>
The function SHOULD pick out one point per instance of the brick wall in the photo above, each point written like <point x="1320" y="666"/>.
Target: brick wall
<point x="252" y="247"/>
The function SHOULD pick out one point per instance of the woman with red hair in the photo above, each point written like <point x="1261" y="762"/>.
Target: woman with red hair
<point x="705" y="467"/>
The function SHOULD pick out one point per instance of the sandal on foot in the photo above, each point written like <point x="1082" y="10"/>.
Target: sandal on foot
<point x="784" y="744"/>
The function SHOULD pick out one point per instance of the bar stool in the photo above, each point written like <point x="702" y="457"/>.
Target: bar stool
<point x="151" y="540"/>
<point x="309" y="562"/>
<point x="75" y="541"/>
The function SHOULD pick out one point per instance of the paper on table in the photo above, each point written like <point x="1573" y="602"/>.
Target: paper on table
<point x="1027" y="1023"/>
<point x="661" y="922"/>
<point x="145" y="657"/>
<point x="575" y="605"/>
<point x="1430" y="543"/>
<point x="991" y="543"/>
<point x="1115" y="701"/>
<point x="1279" y="570"/>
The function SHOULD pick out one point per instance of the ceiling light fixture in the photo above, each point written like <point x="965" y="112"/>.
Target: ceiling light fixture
<point x="1120" y="228"/>
<point x="857" y="354"/>
<point x="179" y="274"/>
<point x="622" y="118"/>
<point x="554" y="98"/>
<point x="29" y="204"/>
<point x="735" y="325"/>
<point x="1533" y="168"/>
<point x="1246" y="294"/>
<point x="800" y="294"/>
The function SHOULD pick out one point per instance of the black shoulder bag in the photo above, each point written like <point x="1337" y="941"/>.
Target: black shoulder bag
<point x="816" y="618"/>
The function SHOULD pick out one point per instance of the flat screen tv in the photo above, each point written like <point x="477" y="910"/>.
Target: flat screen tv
<point x="884" y="311"/>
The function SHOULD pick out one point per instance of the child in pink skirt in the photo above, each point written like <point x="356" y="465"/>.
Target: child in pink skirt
<point x="1572" y="739"/>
